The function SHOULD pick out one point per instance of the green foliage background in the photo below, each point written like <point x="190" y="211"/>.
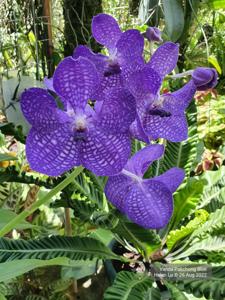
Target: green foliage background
<point x="34" y="265"/>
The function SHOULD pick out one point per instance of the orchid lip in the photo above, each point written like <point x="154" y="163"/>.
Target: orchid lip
<point x="159" y="112"/>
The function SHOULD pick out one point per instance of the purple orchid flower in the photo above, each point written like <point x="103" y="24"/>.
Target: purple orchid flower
<point x="153" y="34"/>
<point x="147" y="202"/>
<point x="95" y="137"/>
<point x="205" y="78"/>
<point x="161" y="116"/>
<point x="125" y="52"/>
<point x="124" y="48"/>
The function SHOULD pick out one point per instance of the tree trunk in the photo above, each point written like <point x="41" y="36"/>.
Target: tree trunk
<point x="78" y="16"/>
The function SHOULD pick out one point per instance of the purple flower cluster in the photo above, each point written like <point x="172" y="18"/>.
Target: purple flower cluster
<point x="107" y="101"/>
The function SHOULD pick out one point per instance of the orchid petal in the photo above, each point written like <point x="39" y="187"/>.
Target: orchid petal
<point x="105" y="30"/>
<point x="140" y="161"/>
<point x="118" y="111"/>
<point x="40" y="109"/>
<point x="105" y="154"/>
<point x="144" y="84"/>
<point x="179" y="100"/>
<point x="130" y="45"/>
<point x="149" y="204"/>
<point x="171" y="178"/>
<point x="164" y="59"/>
<point x="116" y="190"/>
<point x="173" y="128"/>
<point x="99" y="60"/>
<point x="75" y="81"/>
<point x="52" y="153"/>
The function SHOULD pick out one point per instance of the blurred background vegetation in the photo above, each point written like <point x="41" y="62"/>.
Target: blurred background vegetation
<point x="34" y="36"/>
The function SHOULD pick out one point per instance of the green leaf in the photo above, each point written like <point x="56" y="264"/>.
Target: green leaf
<point x="214" y="177"/>
<point x="32" y="38"/>
<point x="80" y="270"/>
<point x="153" y="294"/>
<point x="27" y="212"/>
<point x="212" y="288"/>
<point x="148" y="8"/>
<point x="75" y="248"/>
<point x="215" y="223"/>
<point x="141" y="238"/>
<point x="216" y="4"/>
<point x="6" y="157"/>
<point x="212" y="60"/>
<point x="7" y="215"/>
<point x="174" y="18"/>
<point x="213" y="196"/>
<point x="89" y="212"/>
<point x="83" y="210"/>
<point x="12" y="269"/>
<point x="2" y="297"/>
<point x="175" y="292"/>
<point x="191" y="297"/>
<point x="128" y="286"/>
<point x="186" y="199"/>
<point x="107" y="220"/>
<point x="203" y="247"/>
<point x="104" y="235"/>
<point x="174" y="236"/>
<point x="89" y="189"/>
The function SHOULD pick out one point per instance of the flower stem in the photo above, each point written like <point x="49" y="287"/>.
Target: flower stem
<point x="24" y="214"/>
<point x="68" y="232"/>
<point x="181" y="75"/>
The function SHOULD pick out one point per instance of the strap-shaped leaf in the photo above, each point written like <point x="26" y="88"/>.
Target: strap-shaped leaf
<point x="75" y="248"/>
<point x="174" y="18"/>
<point x="7" y="157"/>
<point x="128" y="286"/>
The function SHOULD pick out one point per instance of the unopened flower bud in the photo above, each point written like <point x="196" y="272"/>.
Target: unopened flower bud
<point x="153" y="34"/>
<point x="204" y="78"/>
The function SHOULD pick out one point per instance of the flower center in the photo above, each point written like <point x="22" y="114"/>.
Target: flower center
<point x="113" y="66"/>
<point x="156" y="107"/>
<point x="80" y="123"/>
<point x="158" y="102"/>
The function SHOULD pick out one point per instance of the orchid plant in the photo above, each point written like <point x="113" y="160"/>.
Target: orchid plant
<point x="92" y="112"/>
<point x="95" y="131"/>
